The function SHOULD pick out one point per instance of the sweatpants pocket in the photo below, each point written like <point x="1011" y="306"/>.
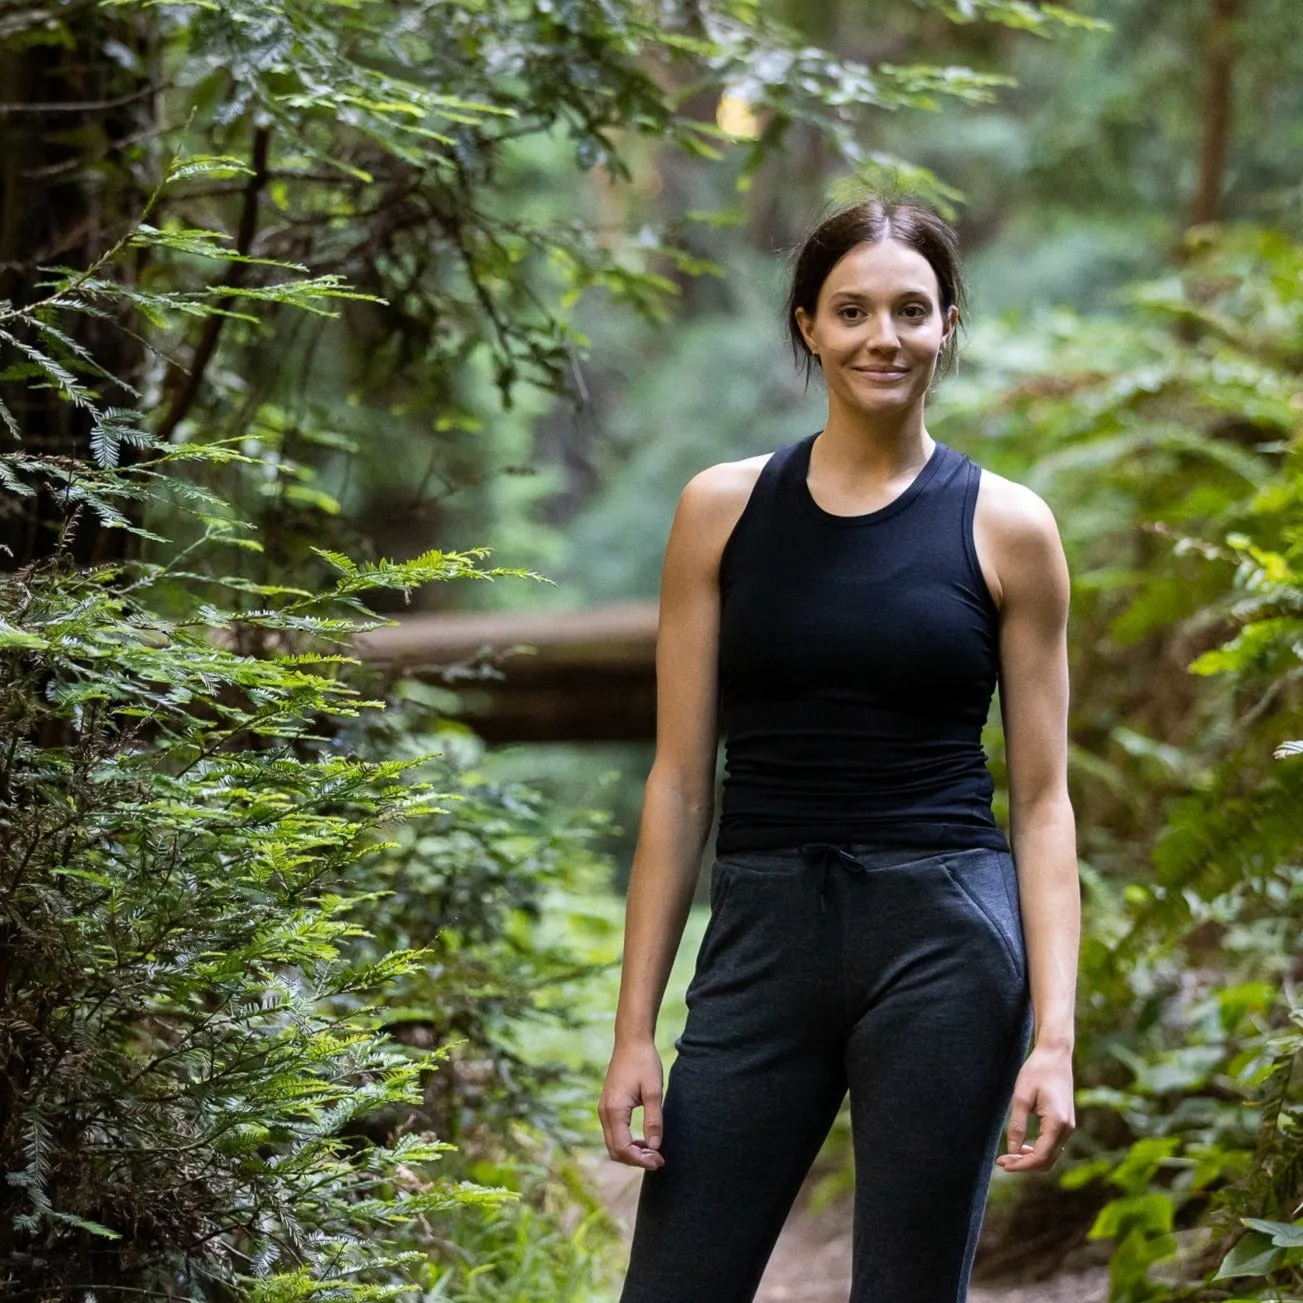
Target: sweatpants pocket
<point x="987" y="881"/>
<point x="719" y="879"/>
<point x="720" y="882"/>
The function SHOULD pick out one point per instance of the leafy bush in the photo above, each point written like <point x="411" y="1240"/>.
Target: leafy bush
<point x="1172" y="430"/>
<point x="256" y="985"/>
<point x="208" y="1073"/>
<point x="190" y="1028"/>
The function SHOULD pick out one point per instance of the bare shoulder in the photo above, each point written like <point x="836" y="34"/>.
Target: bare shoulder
<point x="1017" y="538"/>
<point x="1015" y="512"/>
<point x="1016" y="520"/>
<point x="725" y="483"/>
<point x="712" y="502"/>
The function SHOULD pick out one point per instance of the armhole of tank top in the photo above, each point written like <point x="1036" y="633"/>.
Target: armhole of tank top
<point x="767" y="472"/>
<point x="973" y="473"/>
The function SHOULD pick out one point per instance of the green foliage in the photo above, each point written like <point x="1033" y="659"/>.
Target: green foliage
<point x="228" y="1068"/>
<point x="256" y="984"/>
<point x="1173" y="431"/>
<point x="470" y="887"/>
<point x="422" y="160"/>
<point x="265" y="948"/>
<point x="191" y="1028"/>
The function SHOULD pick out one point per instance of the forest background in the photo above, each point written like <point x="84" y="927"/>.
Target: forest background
<point x="305" y="990"/>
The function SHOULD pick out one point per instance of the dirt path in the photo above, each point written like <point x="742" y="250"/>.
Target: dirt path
<point x="811" y="1261"/>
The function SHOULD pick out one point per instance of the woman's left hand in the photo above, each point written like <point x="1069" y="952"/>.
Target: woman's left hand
<point x="1044" y="1087"/>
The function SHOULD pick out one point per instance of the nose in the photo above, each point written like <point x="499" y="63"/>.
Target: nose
<point x="881" y="333"/>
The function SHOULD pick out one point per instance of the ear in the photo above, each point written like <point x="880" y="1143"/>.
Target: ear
<point x="952" y="323"/>
<point x="805" y="323"/>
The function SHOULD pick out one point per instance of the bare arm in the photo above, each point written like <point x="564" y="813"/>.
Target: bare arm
<point x="678" y="803"/>
<point x="1033" y="592"/>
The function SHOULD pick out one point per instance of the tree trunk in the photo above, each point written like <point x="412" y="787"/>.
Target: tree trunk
<point x="1219" y="57"/>
<point x="73" y="122"/>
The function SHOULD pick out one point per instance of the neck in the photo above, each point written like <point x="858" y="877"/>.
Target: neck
<point x="890" y="441"/>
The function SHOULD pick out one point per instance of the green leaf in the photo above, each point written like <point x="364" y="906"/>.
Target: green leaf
<point x="84" y="1225"/>
<point x="1150" y="1214"/>
<point x="1286" y="1235"/>
<point x="20" y="638"/>
<point x="185" y="166"/>
<point x="1254" y="1254"/>
<point x="1083" y="1174"/>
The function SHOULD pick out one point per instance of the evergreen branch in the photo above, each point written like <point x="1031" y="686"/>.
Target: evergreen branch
<point x="212" y="329"/>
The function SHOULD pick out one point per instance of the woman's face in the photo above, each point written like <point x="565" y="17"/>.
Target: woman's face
<point x="878" y="326"/>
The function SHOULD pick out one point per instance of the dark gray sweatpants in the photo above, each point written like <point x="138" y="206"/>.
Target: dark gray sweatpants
<point x="899" y="974"/>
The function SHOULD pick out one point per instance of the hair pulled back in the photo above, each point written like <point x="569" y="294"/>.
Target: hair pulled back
<point x="872" y="220"/>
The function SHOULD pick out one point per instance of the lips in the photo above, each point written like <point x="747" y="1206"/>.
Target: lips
<point x="881" y="373"/>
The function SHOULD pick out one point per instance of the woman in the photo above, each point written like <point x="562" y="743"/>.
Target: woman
<point x="844" y="607"/>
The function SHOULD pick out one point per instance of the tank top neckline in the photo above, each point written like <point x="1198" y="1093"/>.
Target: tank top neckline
<point x="801" y="467"/>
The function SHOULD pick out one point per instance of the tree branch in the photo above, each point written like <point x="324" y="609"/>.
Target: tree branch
<point x="82" y="106"/>
<point x="235" y="274"/>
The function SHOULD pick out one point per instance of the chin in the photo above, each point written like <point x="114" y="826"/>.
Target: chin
<point x="886" y="401"/>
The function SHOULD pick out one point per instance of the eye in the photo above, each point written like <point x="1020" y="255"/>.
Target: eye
<point x="841" y="312"/>
<point x="914" y="311"/>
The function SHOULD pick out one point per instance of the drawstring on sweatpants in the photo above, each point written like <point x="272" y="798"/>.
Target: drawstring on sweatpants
<point x="823" y="856"/>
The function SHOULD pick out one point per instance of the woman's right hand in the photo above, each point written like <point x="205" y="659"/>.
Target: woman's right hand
<point x="633" y="1078"/>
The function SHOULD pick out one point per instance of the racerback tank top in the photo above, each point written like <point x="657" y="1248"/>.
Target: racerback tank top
<point x="858" y="656"/>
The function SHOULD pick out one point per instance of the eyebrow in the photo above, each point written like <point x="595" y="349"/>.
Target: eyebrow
<point x="903" y="294"/>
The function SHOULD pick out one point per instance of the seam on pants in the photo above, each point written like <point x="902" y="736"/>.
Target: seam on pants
<point x="720" y="883"/>
<point x="981" y="907"/>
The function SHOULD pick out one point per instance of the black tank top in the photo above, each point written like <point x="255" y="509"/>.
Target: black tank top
<point x="857" y="658"/>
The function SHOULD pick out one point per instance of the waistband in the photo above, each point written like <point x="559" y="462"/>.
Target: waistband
<point x="826" y="857"/>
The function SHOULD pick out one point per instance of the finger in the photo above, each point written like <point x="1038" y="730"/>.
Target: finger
<point x="607" y="1112"/>
<point x="608" y="1132"/>
<point x="1009" y="1162"/>
<point x="621" y="1137"/>
<point x="623" y="1147"/>
<point x="652" y="1120"/>
<point x="638" y="1154"/>
<point x="1041" y="1156"/>
<point x="1049" y="1142"/>
<point x="1018" y="1122"/>
<point x="648" y="1159"/>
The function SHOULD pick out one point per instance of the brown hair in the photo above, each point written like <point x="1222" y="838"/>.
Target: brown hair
<point x="871" y="221"/>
